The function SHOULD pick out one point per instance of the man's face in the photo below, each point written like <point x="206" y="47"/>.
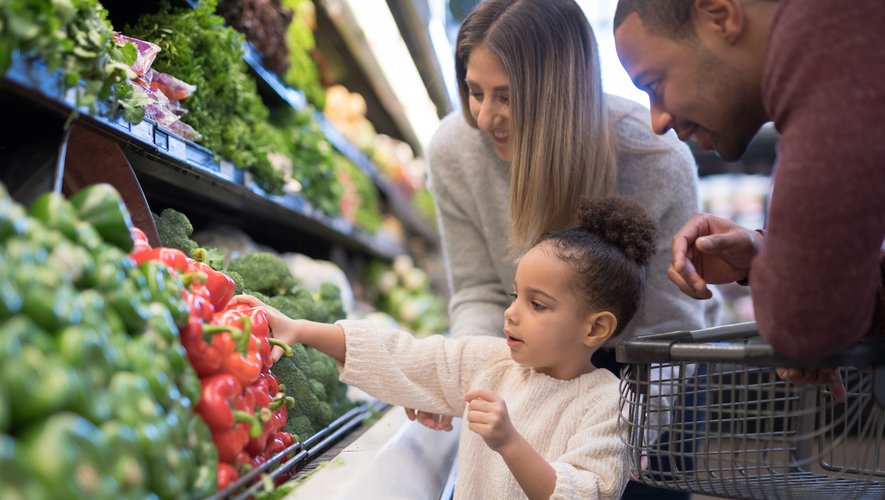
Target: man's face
<point x="694" y="87"/>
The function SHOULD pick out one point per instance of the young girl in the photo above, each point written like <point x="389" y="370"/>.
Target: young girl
<point x="541" y="420"/>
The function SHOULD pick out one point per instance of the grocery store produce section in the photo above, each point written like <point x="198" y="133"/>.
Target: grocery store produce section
<point x="159" y="165"/>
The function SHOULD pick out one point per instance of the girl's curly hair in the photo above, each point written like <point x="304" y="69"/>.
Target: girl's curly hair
<point x="608" y="251"/>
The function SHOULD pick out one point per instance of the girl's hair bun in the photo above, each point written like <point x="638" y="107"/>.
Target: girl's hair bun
<point x="622" y="222"/>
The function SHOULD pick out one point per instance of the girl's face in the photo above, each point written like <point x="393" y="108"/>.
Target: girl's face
<point x="488" y="86"/>
<point x="547" y="324"/>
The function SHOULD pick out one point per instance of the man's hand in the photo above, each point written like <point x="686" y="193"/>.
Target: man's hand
<point x="487" y="416"/>
<point x="710" y="250"/>
<point x="430" y="420"/>
<point x="830" y="376"/>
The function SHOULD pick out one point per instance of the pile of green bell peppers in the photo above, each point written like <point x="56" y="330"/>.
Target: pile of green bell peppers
<point x="97" y="396"/>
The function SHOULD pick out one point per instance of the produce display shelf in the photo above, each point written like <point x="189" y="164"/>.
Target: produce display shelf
<point x="300" y="453"/>
<point x="272" y="86"/>
<point x="164" y="160"/>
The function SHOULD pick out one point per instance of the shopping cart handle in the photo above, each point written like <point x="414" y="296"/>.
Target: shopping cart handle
<point x="737" y="343"/>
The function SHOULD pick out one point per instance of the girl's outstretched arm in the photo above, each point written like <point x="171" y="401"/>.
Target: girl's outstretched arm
<point x="324" y="337"/>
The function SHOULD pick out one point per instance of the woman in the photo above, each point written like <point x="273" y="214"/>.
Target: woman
<point x="536" y="134"/>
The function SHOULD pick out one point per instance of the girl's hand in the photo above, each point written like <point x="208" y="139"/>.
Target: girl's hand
<point x="281" y="326"/>
<point x="487" y="416"/>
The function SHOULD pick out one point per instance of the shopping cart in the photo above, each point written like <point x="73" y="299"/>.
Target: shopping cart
<point x="704" y="412"/>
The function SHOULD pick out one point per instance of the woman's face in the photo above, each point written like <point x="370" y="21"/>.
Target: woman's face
<point x="488" y="86"/>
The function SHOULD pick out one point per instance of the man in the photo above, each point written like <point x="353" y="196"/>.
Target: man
<point x="717" y="70"/>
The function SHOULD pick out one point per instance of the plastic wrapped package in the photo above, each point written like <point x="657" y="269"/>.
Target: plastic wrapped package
<point x="172" y="87"/>
<point x="158" y="109"/>
<point x="184" y="130"/>
<point x="147" y="52"/>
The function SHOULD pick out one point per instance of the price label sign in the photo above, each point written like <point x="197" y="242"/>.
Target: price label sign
<point x="177" y="147"/>
<point x="227" y="169"/>
<point x="144" y="131"/>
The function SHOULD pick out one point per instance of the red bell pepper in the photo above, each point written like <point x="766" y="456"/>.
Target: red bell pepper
<point x="173" y="258"/>
<point x="242" y="358"/>
<point x="226" y="475"/>
<point x="273" y="385"/>
<point x="263" y="400"/>
<point x="232" y="442"/>
<point x="261" y="329"/>
<point x="204" y="357"/>
<point x="139" y="239"/>
<point x="221" y="286"/>
<point x="197" y="300"/>
<point x="274" y="445"/>
<point x="216" y="402"/>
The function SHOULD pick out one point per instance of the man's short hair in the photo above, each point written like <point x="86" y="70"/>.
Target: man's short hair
<point x="670" y="18"/>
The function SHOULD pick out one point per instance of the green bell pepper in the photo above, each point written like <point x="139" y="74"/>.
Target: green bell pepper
<point x="10" y="298"/>
<point x="204" y="476"/>
<point x="53" y="308"/>
<point x="56" y="212"/>
<point x="129" y="302"/>
<point x="90" y="353"/>
<point x="102" y="206"/>
<point x="109" y="271"/>
<point x="155" y="369"/>
<point x="133" y="401"/>
<point x="16" y="480"/>
<point x="73" y="262"/>
<point x="165" y="289"/>
<point x="4" y="410"/>
<point x="33" y="372"/>
<point x="68" y="455"/>
<point x="13" y="220"/>
<point x="128" y="466"/>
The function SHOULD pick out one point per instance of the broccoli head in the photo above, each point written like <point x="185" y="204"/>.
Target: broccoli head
<point x="321" y="368"/>
<point x="298" y="385"/>
<point x="258" y="295"/>
<point x="175" y="230"/>
<point x="299" y="426"/>
<point x="298" y="306"/>
<point x="264" y="272"/>
<point x="238" y="282"/>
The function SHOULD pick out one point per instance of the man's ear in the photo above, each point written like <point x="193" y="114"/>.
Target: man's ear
<point x="599" y="327"/>
<point x="723" y="18"/>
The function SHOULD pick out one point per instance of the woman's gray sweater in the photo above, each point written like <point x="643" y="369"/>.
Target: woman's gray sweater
<point x="471" y="187"/>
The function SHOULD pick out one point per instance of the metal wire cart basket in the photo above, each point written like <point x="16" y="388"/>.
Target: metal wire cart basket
<point x="704" y="412"/>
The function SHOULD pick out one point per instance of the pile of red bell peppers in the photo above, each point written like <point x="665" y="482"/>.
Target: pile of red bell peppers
<point x="229" y="346"/>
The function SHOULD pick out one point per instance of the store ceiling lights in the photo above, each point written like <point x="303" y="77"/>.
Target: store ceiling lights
<point x="368" y="25"/>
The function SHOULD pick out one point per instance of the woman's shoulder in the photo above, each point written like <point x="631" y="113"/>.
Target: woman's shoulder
<point x="459" y="153"/>
<point x="453" y="134"/>
<point x="639" y="146"/>
<point x="631" y="123"/>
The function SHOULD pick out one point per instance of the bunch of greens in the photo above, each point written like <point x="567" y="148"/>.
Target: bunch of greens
<point x="73" y="36"/>
<point x="367" y="212"/>
<point x="302" y="73"/>
<point x="198" y="48"/>
<point x="313" y="158"/>
<point x="264" y="23"/>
